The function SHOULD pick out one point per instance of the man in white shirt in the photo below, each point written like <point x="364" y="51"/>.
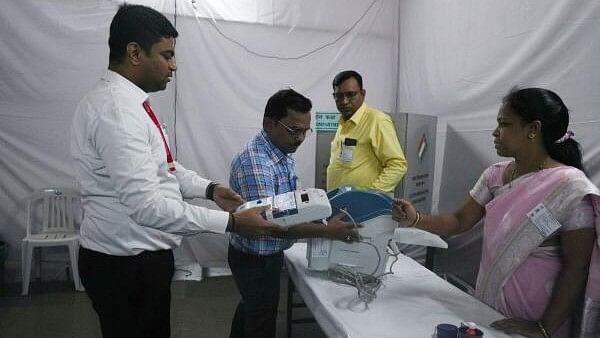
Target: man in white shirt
<point x="132" y="189"/>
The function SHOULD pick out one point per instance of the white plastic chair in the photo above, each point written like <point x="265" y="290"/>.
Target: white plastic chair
<point x="51" y="216"/>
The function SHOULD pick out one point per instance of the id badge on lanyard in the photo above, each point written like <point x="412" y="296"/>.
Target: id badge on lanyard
<point x="348" y="146"/>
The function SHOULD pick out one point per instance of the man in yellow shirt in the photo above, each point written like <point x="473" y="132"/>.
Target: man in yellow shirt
<point x="365" y="151"/>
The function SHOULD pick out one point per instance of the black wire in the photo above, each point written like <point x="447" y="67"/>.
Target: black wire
<point x="360" y="241"/>
<point x="366" y="284"/>
<point x="301" y="56"/>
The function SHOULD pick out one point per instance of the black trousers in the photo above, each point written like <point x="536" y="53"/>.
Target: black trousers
<point x="257" y="279"/>
<point x="131" y="294"/>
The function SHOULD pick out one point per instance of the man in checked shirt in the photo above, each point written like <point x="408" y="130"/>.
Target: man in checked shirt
<point x="261" y="169"/>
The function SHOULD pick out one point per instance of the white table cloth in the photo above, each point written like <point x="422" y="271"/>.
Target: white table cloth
<point x="410" y="303"/>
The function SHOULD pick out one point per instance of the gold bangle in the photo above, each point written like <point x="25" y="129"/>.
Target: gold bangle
<point x="542" y="329"/>
<point x="417" y="220"/>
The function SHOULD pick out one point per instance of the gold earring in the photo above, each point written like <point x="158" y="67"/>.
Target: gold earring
<point x="531" y="136"/>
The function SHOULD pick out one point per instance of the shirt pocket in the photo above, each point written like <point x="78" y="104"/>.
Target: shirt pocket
<point x="351" y="156"/>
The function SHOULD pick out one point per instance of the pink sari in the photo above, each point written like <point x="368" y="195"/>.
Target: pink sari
<point x="516" y="277"/>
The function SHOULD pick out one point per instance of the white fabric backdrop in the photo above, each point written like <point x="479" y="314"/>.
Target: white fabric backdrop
<point x="459" y="58"/>
<point x="454" y="59"/>
<point x="54" y="51"/>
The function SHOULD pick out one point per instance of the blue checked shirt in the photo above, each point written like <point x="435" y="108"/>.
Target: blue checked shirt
<point x="261" y="170"/>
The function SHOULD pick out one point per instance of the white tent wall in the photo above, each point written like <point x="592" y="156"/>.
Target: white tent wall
<point x="454" y="59"/>
<point x="457" y="59"/>
<point x="54" y="51"/>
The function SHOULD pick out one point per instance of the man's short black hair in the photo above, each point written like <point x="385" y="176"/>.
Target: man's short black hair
<point x="345" y="75"/>
<point x="137" y="23"/>
<point x="279" y="103"/>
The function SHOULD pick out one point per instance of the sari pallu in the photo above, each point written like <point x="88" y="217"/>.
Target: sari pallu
<point x="516" y="277"/>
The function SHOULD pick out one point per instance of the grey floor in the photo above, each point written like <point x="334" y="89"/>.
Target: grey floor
<point x="198" y="309"/>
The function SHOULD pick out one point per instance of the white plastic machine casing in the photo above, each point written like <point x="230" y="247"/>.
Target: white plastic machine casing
<point x="294" y="207"/>
<point x="370" y="208"/>
<point x="323" y="254"/>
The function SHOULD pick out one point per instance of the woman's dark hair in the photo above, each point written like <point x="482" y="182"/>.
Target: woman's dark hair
<point x="544" y="105"/>
<point x="279" y="103"/>
<point x="137" y="23"/>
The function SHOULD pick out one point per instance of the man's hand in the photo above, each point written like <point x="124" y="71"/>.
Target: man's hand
<point x="251" y="222"/>
<point x="340" y="230"/>
<point x="226" y="198"/>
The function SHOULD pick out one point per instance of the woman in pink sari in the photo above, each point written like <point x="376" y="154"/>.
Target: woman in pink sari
<point x="540" y="264"/>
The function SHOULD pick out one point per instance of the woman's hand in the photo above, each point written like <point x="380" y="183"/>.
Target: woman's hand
<point x="403" y="212"/>
<point x="517" y="326"/>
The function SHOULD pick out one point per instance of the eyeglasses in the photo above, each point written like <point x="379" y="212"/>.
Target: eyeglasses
<point x="296" y="133"/>
<point x="341" y="95"/>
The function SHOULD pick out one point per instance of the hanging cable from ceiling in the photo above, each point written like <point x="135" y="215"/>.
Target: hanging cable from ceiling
<point x="213" y="23"/>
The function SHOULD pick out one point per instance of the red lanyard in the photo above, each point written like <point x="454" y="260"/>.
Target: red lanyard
<point x="170" y="161"/>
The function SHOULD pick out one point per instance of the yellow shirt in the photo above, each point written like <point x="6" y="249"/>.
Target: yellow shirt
<point x="376" y="161"/>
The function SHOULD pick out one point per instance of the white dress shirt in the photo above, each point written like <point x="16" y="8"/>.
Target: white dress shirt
<point x="130" y="199"/>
